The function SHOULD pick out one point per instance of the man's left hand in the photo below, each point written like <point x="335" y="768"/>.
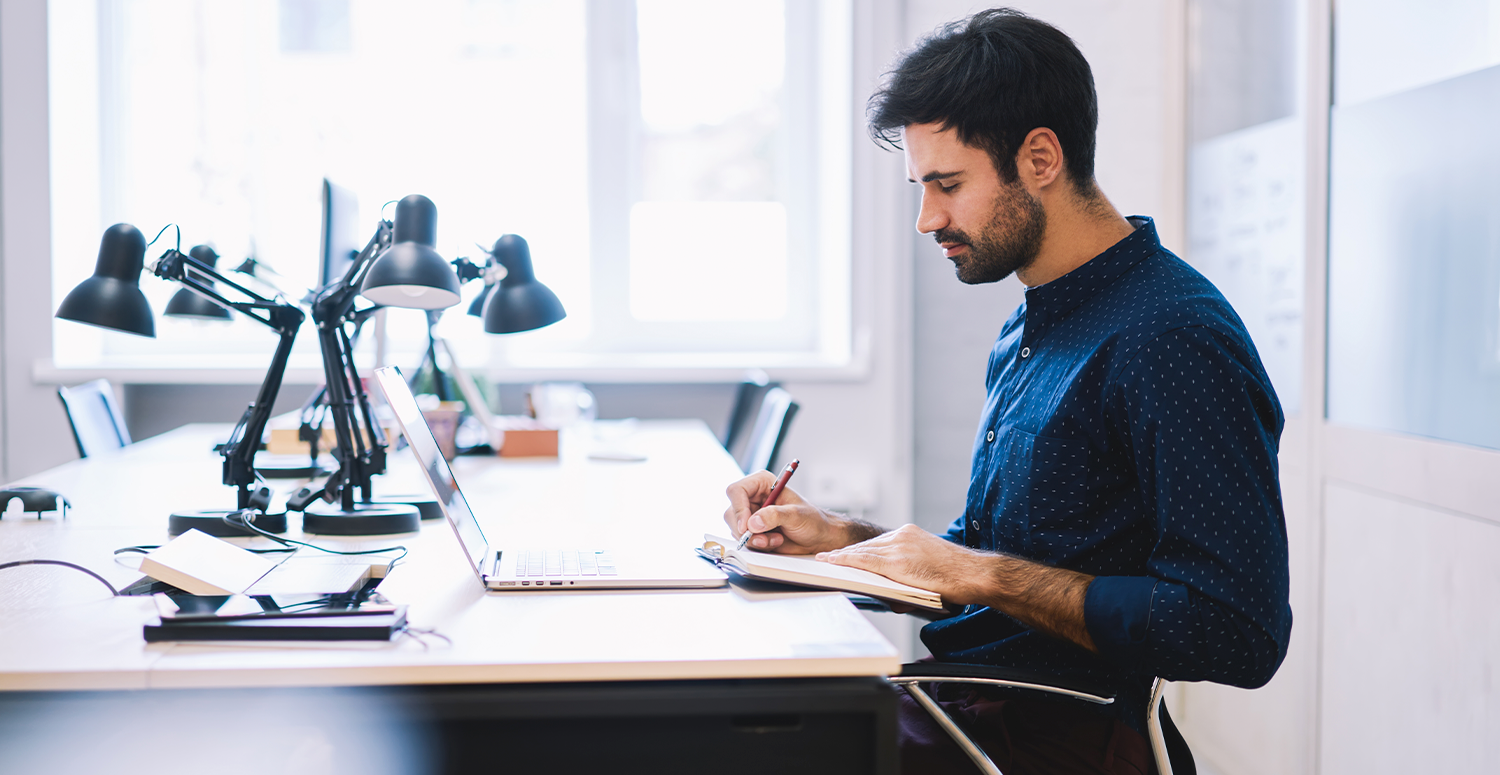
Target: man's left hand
<point x="1047" y="598"/>
<point x="916" y="557"/>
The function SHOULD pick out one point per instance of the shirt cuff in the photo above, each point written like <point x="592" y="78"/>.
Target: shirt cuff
<point x="1117" y="612"/>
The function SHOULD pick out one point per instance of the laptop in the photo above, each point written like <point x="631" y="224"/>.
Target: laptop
<point x="528" y="569"/>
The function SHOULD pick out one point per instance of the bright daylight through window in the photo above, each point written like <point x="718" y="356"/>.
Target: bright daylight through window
<point x="679" y="168"/>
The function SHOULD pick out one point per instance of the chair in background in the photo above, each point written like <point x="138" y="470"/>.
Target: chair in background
<point x="747" y="400"/>
<point x="1168" y="748"/>
<point x="772" y="420"/>
<point x="98" y="424"/>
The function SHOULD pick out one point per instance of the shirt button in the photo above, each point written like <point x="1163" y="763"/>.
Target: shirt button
<point x="1025" y="352"/>
<point x="989" y="436"/>
<point x="974" y="523"/>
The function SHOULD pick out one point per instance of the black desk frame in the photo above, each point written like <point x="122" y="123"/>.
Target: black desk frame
<point x="825" y="726"/>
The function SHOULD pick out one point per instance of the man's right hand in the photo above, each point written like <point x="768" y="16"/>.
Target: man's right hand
<point x="791" y="525"/>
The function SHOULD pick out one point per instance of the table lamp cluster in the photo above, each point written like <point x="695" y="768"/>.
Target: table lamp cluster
<point x="399" y="267"/>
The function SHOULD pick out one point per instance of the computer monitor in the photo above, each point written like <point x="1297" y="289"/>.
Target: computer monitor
<point x="340" y="233"/>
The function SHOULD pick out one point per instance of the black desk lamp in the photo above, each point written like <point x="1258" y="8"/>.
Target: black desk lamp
<point x="112" y="299"/>
<point x="516" y="302"/>
<point x="399" y="267"/>
<point x="512" y="301"/>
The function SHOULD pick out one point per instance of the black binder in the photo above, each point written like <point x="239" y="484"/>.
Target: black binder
<point x="267" y="618"/>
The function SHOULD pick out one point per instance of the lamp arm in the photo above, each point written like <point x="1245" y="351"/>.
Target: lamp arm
<point x="244" y="441"/>
<point x="468" y="270"/>
<point x="337" y="395"/>
<point x="371" y="460"/>
<point x="333" y="307"/>
<point x="335" y="300"/>
<point x="189" y="272"/>
<point x="286" y="319"/>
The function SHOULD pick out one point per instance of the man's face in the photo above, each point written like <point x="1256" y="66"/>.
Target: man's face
<point x="988" y="228"/>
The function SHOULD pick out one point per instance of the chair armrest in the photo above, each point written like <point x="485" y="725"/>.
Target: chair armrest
<point x="1004" y="677"/>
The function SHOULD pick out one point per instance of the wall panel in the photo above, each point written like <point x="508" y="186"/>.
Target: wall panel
<point x="1411" y="651"/>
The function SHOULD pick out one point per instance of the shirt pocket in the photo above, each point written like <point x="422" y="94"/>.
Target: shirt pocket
<point x="1056" y="496"/>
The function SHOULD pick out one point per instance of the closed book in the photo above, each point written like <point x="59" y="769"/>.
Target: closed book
<point x="199" y="563"/>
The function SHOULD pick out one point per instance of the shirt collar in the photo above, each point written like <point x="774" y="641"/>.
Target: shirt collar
<point x="1048" y="304"/>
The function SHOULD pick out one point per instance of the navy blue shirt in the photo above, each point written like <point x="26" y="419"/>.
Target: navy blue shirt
<point x="1130" y="433"/>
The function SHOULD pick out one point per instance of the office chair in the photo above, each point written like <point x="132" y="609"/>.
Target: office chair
<point x="747" y="400"/>
<point x="97" y="422"/>
<point x="1168" y="748"/>
<point x="771" y="423"/>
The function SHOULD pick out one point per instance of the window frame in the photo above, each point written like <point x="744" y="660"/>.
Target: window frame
<point x="833" y="350"/>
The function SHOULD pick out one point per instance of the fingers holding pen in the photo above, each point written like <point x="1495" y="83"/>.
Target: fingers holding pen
<point x="745" y="497"/>
<point x="751" y="486"/>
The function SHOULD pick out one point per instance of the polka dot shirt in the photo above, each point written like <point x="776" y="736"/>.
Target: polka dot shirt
<point x="1130" y="433"/>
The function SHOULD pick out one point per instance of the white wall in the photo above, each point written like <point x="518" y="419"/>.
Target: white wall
<point x="34" y="431"/>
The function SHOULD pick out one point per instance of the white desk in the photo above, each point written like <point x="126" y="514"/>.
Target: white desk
<point x="64" y="632"/>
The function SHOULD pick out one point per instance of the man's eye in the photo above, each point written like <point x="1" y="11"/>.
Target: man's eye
<point x="948" y="185"/>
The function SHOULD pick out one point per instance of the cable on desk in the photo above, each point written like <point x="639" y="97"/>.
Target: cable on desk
<point x="19" y="563"/>
<point x="417" y="633"/>
<point x="245" y="518"/>
<point x="143" y="549"/>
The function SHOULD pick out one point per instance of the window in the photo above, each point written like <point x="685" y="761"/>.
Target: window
<point x="1247" y="175"/>
<point x="684" y="191"/>
<point x="1413" y="248"/>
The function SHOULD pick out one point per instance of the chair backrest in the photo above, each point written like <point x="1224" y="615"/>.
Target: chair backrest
<point x="1168" y="748"/>
<point x="1173" y="756"/>
<point x="747" y="401"/>
<point x="98" y="424"/>
<point x="771" y="423"/>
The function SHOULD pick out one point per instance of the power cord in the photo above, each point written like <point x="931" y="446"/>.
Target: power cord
<point x="143" y="549"/>
<point x="245" y="518"/>
<point x="19" y="563"/>
<point x="417" y="634"/>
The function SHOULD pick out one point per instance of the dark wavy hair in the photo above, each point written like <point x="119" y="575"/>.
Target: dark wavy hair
<point x="993" y="78"/>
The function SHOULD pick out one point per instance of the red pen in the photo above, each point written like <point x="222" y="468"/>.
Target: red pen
<point x="786" y="476"/>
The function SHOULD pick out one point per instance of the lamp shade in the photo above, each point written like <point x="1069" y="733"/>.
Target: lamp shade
<point x="112" y="297"/>
<point x="410" y="273"/>
<point x="476" y="307"/>
<point x="186" y="303"/>
<point x="518" y="302"/>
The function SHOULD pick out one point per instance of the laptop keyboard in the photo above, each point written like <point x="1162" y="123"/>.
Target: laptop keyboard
<point x="563" y="563"/>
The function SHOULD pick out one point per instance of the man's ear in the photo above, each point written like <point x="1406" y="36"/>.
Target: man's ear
<point x="1040" y="159"/>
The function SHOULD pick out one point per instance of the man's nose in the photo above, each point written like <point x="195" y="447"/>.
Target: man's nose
<point x="930" y="217"/>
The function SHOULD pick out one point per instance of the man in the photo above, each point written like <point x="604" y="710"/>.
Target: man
<point x="1124" y="516"/>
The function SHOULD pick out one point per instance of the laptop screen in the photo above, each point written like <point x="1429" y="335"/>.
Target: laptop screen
<point x="424" y="445"/>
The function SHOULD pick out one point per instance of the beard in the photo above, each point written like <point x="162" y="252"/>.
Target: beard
<point x="1008" y="243"/>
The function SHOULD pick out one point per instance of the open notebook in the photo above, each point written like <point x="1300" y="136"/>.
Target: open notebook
<point x="806" y="571"/>
<point x="531" y="569"/>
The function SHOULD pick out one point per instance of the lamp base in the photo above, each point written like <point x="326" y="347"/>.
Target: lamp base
<point x="425" y="505"/>
<point x="211" y="521"/>
<point x="366" y="519"/>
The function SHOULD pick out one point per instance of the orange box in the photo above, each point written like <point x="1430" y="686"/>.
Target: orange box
<point x="526" y="437"/>
<point x="283" y="440"/>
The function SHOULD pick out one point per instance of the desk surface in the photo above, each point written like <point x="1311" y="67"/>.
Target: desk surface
<point x="64" y="632"/>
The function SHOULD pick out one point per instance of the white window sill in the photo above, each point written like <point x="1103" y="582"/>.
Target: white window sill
<point x="598" y="368"/>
